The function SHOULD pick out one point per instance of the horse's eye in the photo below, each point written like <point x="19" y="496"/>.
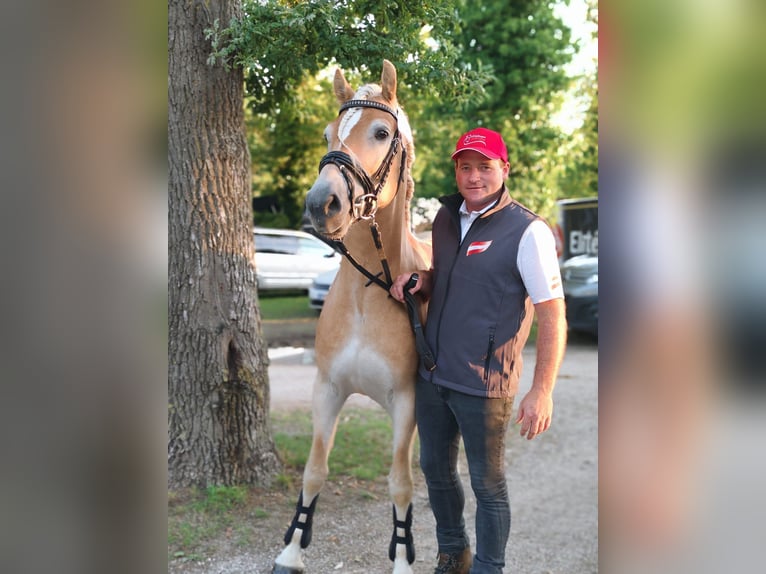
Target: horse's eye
<point x="381" y="134"/>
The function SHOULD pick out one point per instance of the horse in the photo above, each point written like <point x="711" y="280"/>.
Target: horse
<point x="365" y="342"/>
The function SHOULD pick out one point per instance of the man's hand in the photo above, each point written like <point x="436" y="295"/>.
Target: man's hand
<point x="423" y="285"/>
<point x="535" y="413"/>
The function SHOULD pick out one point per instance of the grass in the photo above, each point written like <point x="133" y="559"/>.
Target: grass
<point x="196" y="517"/>
<point x="362" y="443"/>
<point x="199" y="518"/>
<point x="282" y="307"/>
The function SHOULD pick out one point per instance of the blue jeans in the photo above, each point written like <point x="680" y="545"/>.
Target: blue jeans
<point x="443" y="415"/>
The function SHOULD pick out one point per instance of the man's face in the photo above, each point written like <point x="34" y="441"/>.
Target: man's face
<point x="479" y="178"/>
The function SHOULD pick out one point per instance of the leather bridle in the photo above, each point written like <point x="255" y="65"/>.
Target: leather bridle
<point x="366" y="205"/>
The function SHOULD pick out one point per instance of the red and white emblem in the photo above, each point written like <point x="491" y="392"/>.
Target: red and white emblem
<point x="478" y="247"/>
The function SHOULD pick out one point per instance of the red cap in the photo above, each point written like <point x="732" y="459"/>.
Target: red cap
<point x="484" y="141"/>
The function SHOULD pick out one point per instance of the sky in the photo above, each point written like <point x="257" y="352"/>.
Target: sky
<point x="585" y="60"/>
<point x="574" y="15"/>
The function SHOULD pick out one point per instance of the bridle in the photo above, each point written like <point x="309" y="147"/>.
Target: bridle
<point x="366" y="206"/>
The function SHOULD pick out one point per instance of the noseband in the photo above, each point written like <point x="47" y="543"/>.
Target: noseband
<point x="365" y="206"/>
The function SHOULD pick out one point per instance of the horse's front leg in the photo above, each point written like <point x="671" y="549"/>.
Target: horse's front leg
<point x="327" y="403"/>
<point x="402" y="549"/>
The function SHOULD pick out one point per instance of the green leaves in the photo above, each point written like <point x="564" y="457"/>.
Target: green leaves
<point x="522" y="46"/>
<point x="277" y="43"/>
<point x="460" y="64"/>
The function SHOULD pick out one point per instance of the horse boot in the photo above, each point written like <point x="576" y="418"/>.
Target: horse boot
<point x="304" y="526"/>
<point x="306" y="529"/>
<point x="405" y="525"/>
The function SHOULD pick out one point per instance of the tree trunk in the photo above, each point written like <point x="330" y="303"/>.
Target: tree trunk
<point x="219" y="429"/>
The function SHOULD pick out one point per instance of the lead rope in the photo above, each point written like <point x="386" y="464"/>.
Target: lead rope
<point x="381" y="254"/>
<point x="424" y="350"/>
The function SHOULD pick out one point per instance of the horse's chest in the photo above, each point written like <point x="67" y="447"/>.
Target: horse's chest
<point x="364" y="351"/>
<point x="359" y="363"/>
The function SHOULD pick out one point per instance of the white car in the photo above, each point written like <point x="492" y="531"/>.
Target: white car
<point x="289" y="260"/>
<point x="319" y="288"/>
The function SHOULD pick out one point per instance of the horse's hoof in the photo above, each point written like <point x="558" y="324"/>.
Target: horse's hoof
<point x="279" y="569"/>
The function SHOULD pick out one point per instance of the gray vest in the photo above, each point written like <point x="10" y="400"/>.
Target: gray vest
<point x="479" y="314"/>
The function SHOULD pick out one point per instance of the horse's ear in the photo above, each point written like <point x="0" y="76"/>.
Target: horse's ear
<point x="343" y="92"/>
<point x="388" y="81"/>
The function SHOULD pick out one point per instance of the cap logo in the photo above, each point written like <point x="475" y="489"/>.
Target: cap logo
<point x="475" y="138"/>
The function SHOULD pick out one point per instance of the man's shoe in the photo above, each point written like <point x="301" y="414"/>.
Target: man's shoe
<point x="459" y="563"/>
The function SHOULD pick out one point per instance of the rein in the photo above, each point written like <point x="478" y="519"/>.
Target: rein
<point x="366" y="206"/>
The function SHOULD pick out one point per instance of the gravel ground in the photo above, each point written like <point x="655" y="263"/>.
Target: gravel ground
<point x="553" y="481"/>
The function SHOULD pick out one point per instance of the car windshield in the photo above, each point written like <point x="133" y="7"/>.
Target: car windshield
<point x="311" y="247"/>
<point x="276" y="244"/>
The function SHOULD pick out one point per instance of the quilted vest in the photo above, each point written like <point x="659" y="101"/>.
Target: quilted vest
<point x="479" y="314"/>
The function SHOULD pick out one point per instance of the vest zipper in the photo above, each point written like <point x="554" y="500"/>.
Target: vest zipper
<point x="490" y="348"/>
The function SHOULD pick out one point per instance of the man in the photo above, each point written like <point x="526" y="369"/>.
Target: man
<point x="494" y="266"/>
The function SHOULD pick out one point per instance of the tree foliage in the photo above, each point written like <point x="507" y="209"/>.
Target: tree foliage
<point x="286" y="148"/>
<point x="283" y="48"/>
<point x="525" y="46"/>
<point x="279" y="42"/>
<point x="579" y="176"/>
<point x="460" y="64"/>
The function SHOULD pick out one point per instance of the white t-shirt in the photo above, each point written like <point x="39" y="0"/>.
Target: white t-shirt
<point x="537" y="260"/>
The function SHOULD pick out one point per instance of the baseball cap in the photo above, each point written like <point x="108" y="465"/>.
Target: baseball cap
<point x="484" y="141"/>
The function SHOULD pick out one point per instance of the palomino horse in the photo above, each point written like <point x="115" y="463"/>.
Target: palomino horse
<point x="364" y="341"/>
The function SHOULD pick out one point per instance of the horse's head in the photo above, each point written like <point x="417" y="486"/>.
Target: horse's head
<point x="366" y="161"/>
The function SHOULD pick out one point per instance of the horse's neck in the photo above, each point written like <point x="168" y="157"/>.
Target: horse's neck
<point x="394" y="234"/>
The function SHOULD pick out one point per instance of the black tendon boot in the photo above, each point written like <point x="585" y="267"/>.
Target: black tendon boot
<point x="406" y="539"/>
<point x="304" y="526"/>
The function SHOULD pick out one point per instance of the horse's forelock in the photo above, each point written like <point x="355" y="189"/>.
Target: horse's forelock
<point x="368" y="91"/>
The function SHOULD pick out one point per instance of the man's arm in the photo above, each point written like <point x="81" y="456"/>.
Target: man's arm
<point x="536" y="408"/>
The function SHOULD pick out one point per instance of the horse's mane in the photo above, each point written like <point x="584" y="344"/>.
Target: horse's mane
<point x="410" y="182"/>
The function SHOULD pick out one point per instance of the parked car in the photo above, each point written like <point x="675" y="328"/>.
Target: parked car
<point x="319" y="288"/>
<point x="579" y="277"/>
<point x="287" y="259"/>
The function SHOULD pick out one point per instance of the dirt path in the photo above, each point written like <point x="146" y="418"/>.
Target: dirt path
<point x="552" y="481"/>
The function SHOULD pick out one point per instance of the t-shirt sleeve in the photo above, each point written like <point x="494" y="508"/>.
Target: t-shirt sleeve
<point x="538" y="263"/>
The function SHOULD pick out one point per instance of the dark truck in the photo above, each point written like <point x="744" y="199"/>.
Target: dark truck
<point x="577" y="228"/>
<point x="577" y="247"/>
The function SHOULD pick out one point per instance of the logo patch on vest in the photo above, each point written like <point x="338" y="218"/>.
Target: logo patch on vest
<point x="478" y="247"/>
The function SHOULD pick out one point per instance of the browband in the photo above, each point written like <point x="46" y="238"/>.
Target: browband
<point x="367" y="104"/>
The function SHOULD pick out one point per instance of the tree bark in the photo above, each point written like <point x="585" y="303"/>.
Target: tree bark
<point x="218" y="416"/>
